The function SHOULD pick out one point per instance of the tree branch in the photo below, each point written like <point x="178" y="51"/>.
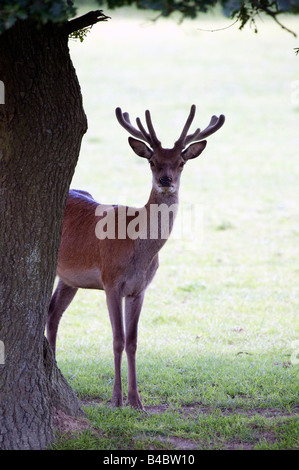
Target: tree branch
<point x="273" y="14"/>
<point x="83" y="21"/>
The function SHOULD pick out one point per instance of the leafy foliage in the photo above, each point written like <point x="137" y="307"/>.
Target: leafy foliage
<point x="81" y="33"/>
<point x="188" y="8"/>
<point x="59" y="11"/>
<point x="40" y="12"/>
<point x="246" y="12"/>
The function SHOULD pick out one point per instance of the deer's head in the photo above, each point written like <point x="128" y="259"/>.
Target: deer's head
<point x="167" y="164"/>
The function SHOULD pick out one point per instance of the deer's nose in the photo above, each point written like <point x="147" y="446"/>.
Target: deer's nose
<point x="165" y="180"/>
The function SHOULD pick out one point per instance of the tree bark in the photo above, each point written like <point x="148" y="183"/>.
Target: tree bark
<point x="41" y="127"/>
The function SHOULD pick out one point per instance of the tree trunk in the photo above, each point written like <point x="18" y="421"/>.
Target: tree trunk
<point x="41" y="127"/>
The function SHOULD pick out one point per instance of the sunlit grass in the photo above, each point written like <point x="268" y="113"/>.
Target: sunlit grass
<point x="220" y="319"/>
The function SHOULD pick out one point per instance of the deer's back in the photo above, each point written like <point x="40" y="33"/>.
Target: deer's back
<point x="86" y="261"/>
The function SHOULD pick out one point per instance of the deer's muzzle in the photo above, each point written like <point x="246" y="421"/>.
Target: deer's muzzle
<point x="165" y="181"/>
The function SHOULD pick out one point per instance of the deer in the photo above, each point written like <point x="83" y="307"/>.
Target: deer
<point x="123" y="266"/>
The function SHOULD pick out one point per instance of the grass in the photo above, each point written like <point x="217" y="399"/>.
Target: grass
<point x="217" y="353"/>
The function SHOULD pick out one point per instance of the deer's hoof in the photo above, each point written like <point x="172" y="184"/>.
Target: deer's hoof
<point x="117" y="401"/>
<point x="135" y="402"/>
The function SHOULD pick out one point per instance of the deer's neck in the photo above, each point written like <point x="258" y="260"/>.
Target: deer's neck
<point x="161" y="210"/>
<point x="157" y="197"/>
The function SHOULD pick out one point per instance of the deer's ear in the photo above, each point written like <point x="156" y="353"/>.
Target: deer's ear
<point x="140" y="148"/>
<point x="194" y="150"/>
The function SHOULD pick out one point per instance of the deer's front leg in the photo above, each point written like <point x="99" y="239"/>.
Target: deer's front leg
<point x="114" y="303"/>
<point x="133" y="307"/>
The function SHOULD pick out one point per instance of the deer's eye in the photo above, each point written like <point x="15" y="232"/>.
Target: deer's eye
<point x="151" y="164"/>
<point x="182" y="164"/>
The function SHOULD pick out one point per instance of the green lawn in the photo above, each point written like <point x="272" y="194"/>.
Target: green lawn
<point x="217" y="357"/>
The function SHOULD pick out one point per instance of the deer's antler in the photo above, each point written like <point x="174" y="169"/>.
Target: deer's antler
<point x="149" y="136"/>
<point x="214" y="125"/>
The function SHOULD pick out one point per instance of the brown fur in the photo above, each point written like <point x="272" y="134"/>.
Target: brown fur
<point x="123" y="267"/>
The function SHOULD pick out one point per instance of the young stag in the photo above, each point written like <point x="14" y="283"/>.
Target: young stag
<point x="121" y="264"/>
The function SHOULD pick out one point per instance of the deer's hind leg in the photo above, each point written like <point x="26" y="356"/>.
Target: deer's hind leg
<point x="60" y="301"/>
